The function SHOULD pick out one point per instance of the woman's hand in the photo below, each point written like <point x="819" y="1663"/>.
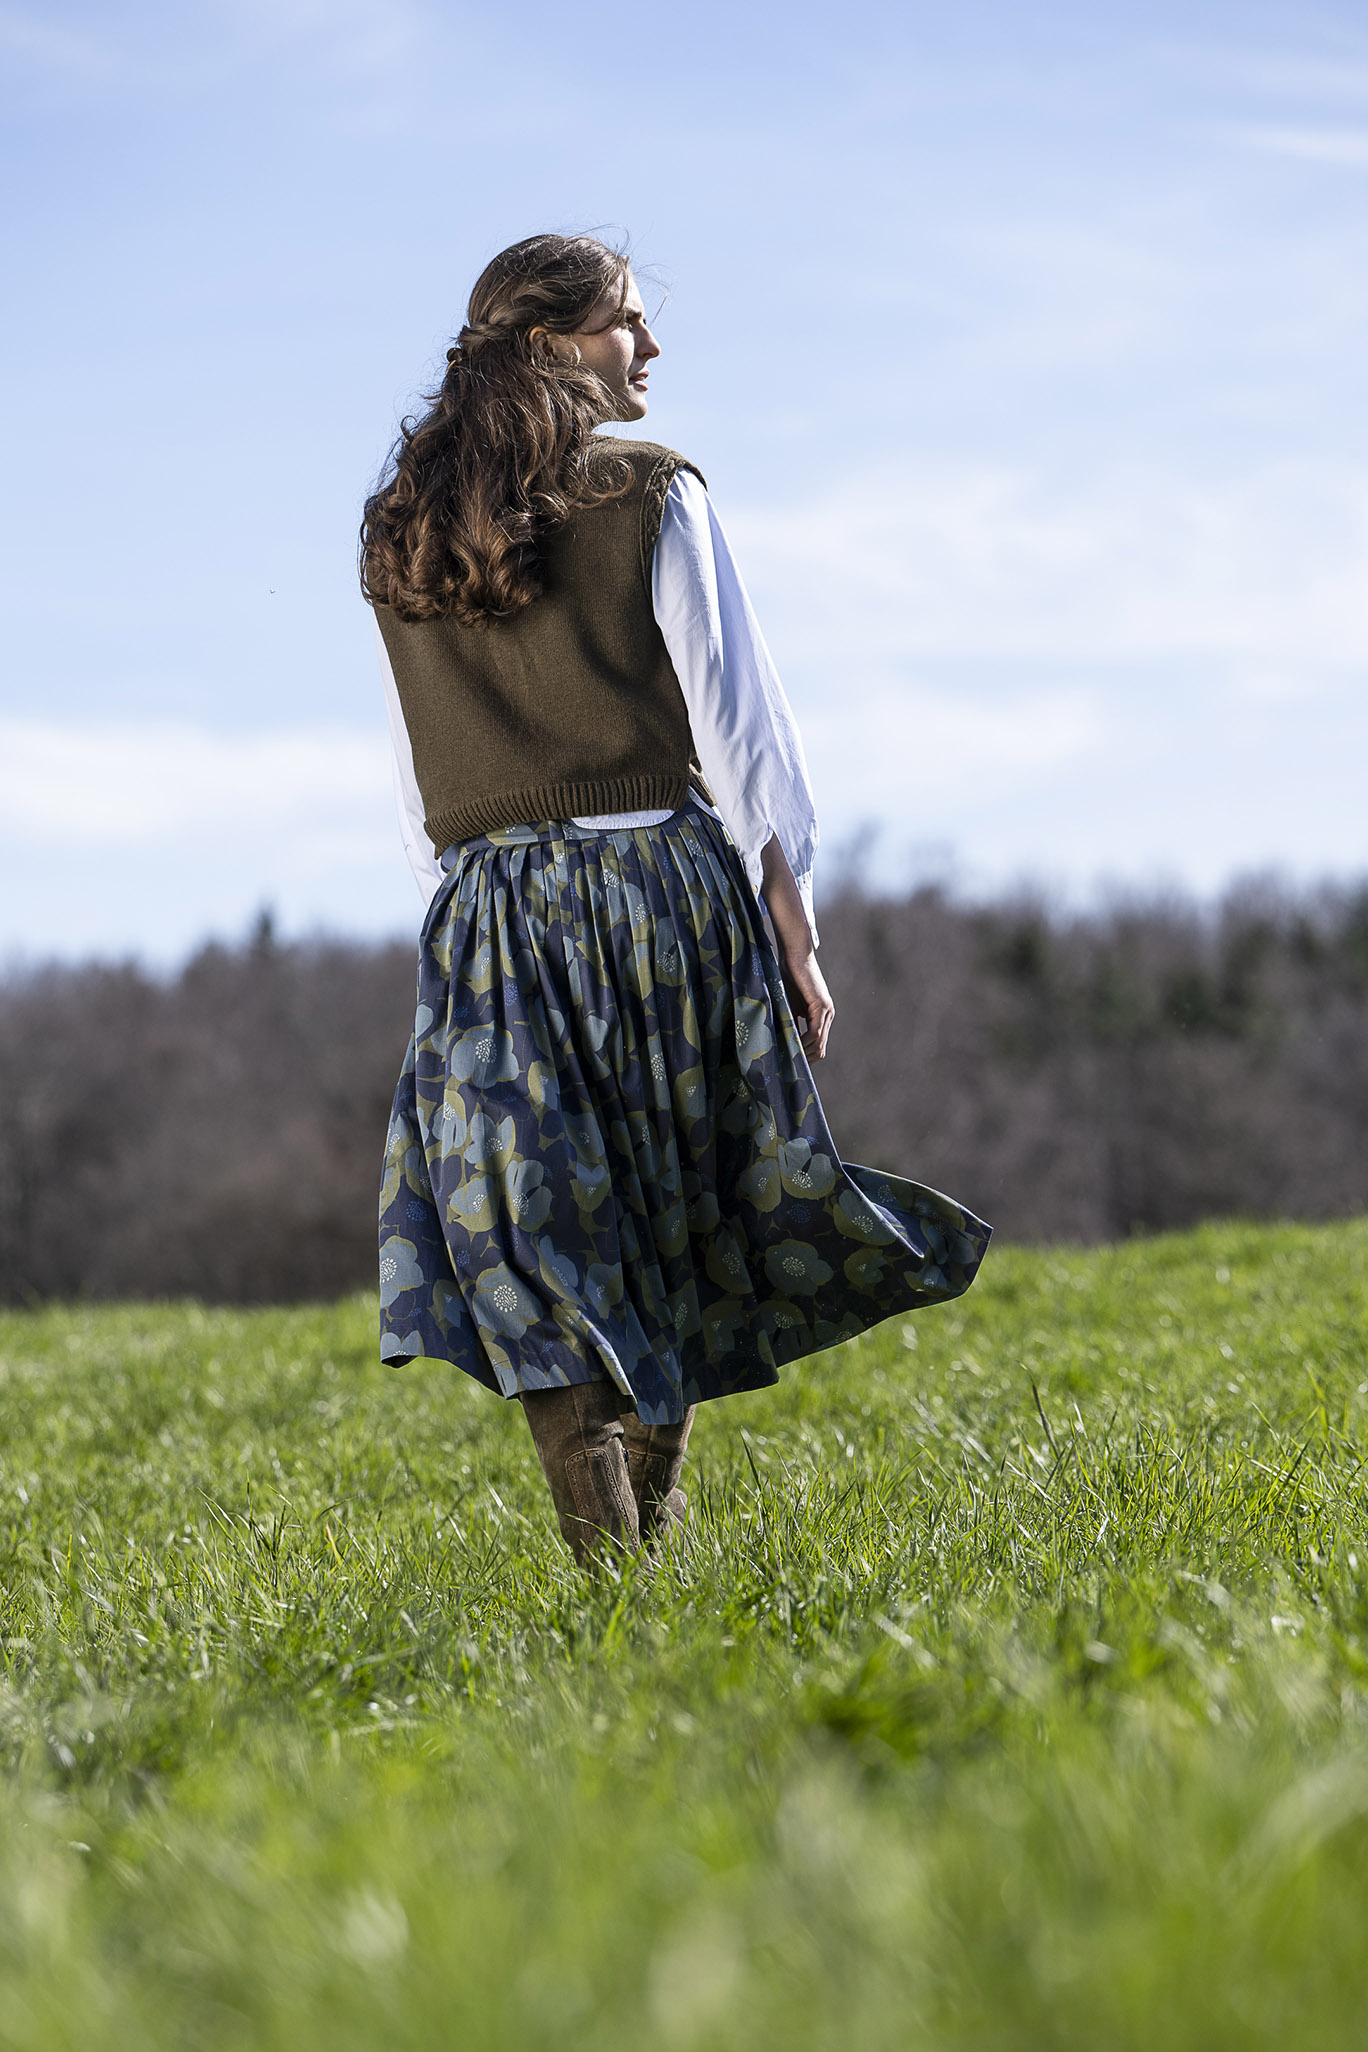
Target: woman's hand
<point x="811" y="1002"/>
<point x="803" y="980"/>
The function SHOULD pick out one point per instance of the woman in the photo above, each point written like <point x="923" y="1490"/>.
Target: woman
<point x="609" y="1190"/>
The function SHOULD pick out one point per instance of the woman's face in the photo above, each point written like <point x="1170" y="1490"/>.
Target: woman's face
<point x="616" y="343"/>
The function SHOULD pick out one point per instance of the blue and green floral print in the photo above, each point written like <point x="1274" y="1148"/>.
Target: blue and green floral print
<point x="607" y="1157"/>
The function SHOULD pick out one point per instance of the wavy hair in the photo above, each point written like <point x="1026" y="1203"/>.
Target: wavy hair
<point x="505" y="452"/>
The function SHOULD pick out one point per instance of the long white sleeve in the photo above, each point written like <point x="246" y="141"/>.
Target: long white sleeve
<point x="423" y="862"/>
<point x="743" y="726"/>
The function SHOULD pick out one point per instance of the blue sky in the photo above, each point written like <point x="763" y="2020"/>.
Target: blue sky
<point x="1025" y="349"/>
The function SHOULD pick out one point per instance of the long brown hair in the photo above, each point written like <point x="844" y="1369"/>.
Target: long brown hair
<point x="505" y="452"/>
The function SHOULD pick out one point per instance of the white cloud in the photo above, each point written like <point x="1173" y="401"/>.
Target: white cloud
<point x="885" y="751"/>
<point x="26" y="33"/>
<point x="348" y="36"/>
<point x="1290" y="72"/>
<point x="1099" y="674"/>
<point x="1343" y="146"/>
<point x="130" y="784"/>
<point x="148" y="47"/>
<point x="974" y="560"/>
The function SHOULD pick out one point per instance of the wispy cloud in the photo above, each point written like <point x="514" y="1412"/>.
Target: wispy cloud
<point x="1344" y="147"/>
<point x="972" y="560"/>
<point x="942" y="747"/>
<point x="151" y="46"/>
<point x="51" y="45"/>
<point x="1335" y="74"/>
<point x="131" y="784"/>
<point x="1103" y="672"/>
<point x="347" y="36"/>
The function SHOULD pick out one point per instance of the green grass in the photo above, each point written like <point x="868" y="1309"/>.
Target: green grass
<point x="963" y="1722"/>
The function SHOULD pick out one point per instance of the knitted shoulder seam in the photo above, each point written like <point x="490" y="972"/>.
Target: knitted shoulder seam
<point x="662" y="475"/>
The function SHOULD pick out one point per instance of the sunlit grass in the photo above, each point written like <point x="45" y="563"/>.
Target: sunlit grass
<point x="1012" y="1691"/>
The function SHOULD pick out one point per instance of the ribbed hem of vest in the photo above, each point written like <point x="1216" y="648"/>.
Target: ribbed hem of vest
<point x="536" y="802"/>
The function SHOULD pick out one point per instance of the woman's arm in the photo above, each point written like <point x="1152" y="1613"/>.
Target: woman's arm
<point x="743" y="727"/>
<point x="746" y="736"/>
<point x="803" y="980"/>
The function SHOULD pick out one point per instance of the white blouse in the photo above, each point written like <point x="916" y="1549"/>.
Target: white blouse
<point x="743" y="727"/>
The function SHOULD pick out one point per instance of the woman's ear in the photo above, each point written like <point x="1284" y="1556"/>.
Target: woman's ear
<point x="544" y="343"/>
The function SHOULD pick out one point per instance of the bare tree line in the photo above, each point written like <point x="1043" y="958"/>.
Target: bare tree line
<point x="217" y="1135"/>
<point x="1134" y="1071"/>
<point x="1072" y="1078"/>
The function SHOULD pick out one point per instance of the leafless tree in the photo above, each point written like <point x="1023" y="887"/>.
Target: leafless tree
<point x="219" y="1133"/>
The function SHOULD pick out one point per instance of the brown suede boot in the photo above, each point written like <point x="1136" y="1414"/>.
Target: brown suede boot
<point x="655" y="1456"/>
<point x="578" y="1436"/>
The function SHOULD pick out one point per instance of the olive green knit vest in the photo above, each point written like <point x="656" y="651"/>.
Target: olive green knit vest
<point x="568" y="707"/>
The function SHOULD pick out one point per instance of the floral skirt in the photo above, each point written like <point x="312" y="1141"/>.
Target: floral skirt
<point x="607" y="1158"/>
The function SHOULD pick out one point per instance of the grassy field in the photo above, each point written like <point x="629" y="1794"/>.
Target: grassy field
<point x="967" y="1719"/>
